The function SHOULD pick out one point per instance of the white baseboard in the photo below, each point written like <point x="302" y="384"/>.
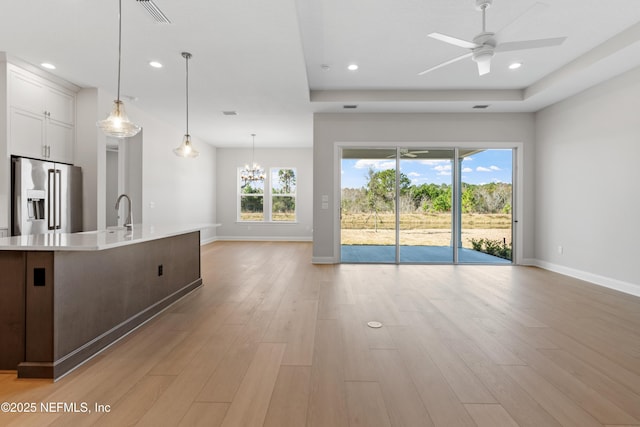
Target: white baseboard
<point x="324" y="260"/>
<point x="208" y="240"/>
<point x="265" y="238"/>
<point x="607" y="282"/>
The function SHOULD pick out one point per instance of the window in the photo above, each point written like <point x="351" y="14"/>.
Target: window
<point x="271" y="200"/>
<point x="251" y="197"/>
<point x="283" y="194"/>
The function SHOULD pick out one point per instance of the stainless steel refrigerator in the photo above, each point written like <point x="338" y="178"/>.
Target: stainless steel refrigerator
<point x="46" y="197"/>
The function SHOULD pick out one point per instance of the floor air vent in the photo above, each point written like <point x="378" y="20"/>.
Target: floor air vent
<point x="154" y="11"/>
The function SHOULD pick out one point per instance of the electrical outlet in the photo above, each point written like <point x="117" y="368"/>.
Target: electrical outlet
<point x="160" y="270"/>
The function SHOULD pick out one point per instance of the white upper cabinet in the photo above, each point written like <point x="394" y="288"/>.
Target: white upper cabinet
<point x="41" y="117"/>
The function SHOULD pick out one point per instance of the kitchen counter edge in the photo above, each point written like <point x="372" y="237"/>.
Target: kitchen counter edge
<point x="96" y="240"/>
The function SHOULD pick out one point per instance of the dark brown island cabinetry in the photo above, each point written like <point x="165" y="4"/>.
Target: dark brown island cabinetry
<point x="59" y="308"/>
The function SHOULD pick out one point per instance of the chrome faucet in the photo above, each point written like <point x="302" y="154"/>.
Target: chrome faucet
<point x="128" y="223"/>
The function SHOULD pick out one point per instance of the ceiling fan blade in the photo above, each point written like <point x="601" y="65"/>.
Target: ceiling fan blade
<point x="409" y="154"/>
<point x="484" y="67"/>
<point x="453" y="40"/>
<point x="529" y="44"/>
<point x="451" y="61"/>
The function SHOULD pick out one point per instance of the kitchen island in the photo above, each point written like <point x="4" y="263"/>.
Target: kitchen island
<point x="65" y="297"/>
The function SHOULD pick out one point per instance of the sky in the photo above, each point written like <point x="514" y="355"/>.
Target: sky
<point x="480" y="168"/>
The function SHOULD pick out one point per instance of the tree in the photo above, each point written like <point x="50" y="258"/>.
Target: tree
<point x="287" y="179"/>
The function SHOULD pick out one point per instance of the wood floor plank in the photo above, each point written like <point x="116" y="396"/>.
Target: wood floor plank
<point x="462" y="380"/>
<point x="327" y="397"/>
<point x="402" y="399"/>
<point x="443" y="406"/>
<point x="250" y="405"/>
<point x="224" y="382"/>
<point x="366" y="405"/>
<point x="563" y="409"/>
<point x="133" y="405"/>
<point x="596" y="380"/>
<point x="490" y="415"/>
<point x="290" y="398"/>
<point x="496" y="351"/>
<point x="358" y="362"/>
<point x="175" y="402"/>
<point x="596" y="359"/>
<point x="204" y="414"/>
<point x="598" y="405"/>
<point x="521" y="406"/>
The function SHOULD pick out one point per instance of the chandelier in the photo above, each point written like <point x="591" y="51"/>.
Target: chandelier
<point x="255" y="172"/>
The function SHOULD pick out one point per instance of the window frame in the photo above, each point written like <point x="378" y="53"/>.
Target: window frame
<point x="293" y="195"/>
<point x="267" y="198"/>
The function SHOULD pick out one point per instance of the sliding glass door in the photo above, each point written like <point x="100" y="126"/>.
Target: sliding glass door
<point x="426" y="205"/>
<point x="486" y="206"/>
<point x="368" y="205"/>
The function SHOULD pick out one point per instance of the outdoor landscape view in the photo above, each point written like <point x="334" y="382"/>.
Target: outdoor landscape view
<point x="425" y="208"/>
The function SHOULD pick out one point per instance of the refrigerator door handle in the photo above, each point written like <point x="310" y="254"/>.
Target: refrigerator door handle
<point x="51" y="199"/>
<point x="58" y="196"/>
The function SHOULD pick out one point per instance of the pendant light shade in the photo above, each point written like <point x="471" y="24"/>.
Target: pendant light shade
<point x="117" y="124"/>
<point x="186" y="149"/>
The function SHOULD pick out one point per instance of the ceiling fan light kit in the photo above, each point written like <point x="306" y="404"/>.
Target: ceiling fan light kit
<point x="484" y="46"/>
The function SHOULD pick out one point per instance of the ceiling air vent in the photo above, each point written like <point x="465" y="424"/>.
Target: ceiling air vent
<point x="481" y="106"/>
<point x="154" y="11"/>
<point x="350" y="106"/>
<point x="230" y="113"/>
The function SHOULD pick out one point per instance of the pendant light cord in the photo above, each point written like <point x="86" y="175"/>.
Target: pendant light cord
<point x="187" y="56"/>
<point x="119" y="43"/>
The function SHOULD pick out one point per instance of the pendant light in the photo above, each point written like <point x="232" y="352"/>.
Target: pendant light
<point x="117" y="124"/>
<point x="255" y="172"/>
<point x="186" y="149"/>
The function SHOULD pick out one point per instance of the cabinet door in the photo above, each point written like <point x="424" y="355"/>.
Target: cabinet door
<point x="60" y="141"/>
<point x="60" y="105"/>
<point x="26" y="133"/>
<point x="26" y="92"/>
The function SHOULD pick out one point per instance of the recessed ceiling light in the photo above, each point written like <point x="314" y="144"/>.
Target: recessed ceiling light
<point x="155" y="64"/>
<point x="352" y="67"/>
<point x="515" y="65"/>
<point x="48" y="66"/>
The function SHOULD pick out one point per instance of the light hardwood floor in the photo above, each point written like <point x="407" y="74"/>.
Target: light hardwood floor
<point x="276" y="341"/>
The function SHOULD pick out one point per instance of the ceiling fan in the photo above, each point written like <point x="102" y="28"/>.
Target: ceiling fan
<point x="405" y="152"/>
<point x="484" y="45"/>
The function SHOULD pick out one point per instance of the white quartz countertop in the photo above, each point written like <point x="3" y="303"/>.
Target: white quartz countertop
<point x="96" y="240"/>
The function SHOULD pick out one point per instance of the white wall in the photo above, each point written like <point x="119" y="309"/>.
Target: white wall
<point x="229" y="159"/>
<point x="587" y="179"/>
<point x="5" y="160"/>
<point x="174" y="190"/>
<point x="411" y="129"/>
